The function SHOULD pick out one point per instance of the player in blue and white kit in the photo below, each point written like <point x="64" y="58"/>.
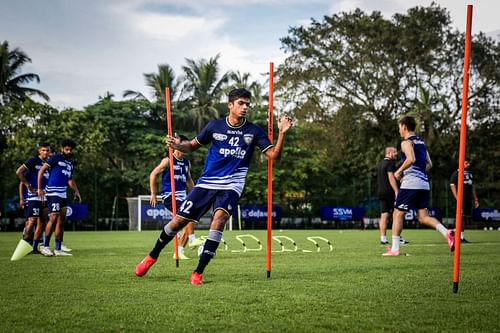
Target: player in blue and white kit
<point x="61" y="176"/>
<point x="28" y="175"/>
<point x="414" y="190"/>
<point x="183" y="181"/>
<point x="233" y="140"/>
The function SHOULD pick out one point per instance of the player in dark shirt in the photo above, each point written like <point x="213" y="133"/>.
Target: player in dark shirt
<point x="469" y="193"/>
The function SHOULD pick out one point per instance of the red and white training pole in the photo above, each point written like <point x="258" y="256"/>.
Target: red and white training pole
<point x="270" y="174"/>
<point x="461" y="156"/>
<point x="171" y="168"/>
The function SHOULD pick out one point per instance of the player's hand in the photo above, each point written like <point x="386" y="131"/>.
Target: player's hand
<point x="152" y="200"/>
<point x="21" y="203"/>
<point x="78" y="196"/>
<point x="41" y="194"/>
<point x="173" y="141"/>
<point x="31" y="189"/>
<point x="398" y="175"/>
<point x="476" y="203"/>
<point x="285" y="123"/>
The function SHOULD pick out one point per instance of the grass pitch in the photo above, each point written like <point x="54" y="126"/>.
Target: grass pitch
<point x="352" y="288"/>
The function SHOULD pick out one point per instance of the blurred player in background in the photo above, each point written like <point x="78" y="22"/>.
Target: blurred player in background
<point x="183" y="181"/>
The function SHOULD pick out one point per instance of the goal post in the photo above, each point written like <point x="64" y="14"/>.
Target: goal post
<point x="142" y="216"/>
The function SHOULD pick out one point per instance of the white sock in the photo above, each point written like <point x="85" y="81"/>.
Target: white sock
<point x="192" y="238"/>
<point x="383" y="239"/>
<point x="395" y="243"/>
<point x="180" y="249"/>
<point x="462" y="235"/>
<point x="442" y="229"/>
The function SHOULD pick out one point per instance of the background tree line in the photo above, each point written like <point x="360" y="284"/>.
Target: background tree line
<point x="346" y="79"/>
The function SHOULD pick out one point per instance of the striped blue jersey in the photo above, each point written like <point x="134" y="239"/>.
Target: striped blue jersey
<point x="181" y="171"/>
<point x="61" y="171"/>
<point x="33" y="165"/>
<point x="415" y="177"/>
<point x="230" y="154"/>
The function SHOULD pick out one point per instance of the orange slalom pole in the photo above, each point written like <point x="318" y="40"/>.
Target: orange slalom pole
<point x="461" y="156"/>
<point x="270" y="174"/>
<point x="171" y="168"/>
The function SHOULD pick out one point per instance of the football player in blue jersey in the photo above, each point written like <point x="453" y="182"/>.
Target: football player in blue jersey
<point x="233" y="140"/>
<point x="183" y="181"/>
<point x="414" y="190"/>
<point x="61" y="170"/>
<point x="31" y="201"/>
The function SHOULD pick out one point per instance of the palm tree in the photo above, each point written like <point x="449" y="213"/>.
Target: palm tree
<point x="242" y="80"/>
<point x="165" y="77"/>
<point x="11" y="81"/>
<point x="204" y="89"/>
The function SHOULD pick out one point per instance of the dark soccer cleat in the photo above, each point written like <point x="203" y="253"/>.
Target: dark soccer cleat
<point x="142" y="268"/>
<point x="403" y="241"/>
<point x="450" y="237"/>
<point x="195" y="279"/>
<point x="464" y="241"/>
<point x="384" y="243"/>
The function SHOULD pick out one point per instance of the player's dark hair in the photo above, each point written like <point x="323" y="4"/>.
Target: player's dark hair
<point x="467" y="159"/>
<point x="68" y="143"/>
<point x="409" y="122"/>
<point x="43" y="145"/>
<point x="239" y="93"/>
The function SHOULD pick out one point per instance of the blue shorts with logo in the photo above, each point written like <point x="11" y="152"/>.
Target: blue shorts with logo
<point x="167" y="202"/>
<point x="55" y="204"/>
<point x="200" y="200"/>
<point x="409" y="199"/>
<point x="34" y="208"/>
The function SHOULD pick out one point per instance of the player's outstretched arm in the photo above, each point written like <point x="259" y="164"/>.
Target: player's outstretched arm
<point x="407" y="148"/>
<point x="42" y="170"/>
<point x="185" y="146"/>
<point x="284" y="124"/>
<point x="73" y="186"/>
<point x="152" y="179"/>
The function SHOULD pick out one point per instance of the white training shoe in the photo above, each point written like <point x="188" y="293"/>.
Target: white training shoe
<point x="65" y="248"/>
<point x="61" y="253"/>
<point x="46" y="251"/>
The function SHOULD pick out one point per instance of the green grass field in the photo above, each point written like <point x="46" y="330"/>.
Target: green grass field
<point x="349" y="289"/>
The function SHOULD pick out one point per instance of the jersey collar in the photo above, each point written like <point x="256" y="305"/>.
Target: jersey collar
<point x="228" y="124"/>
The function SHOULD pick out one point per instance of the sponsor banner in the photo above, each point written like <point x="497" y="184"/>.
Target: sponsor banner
<point x="259" y="213"/>
<point x="486" y="214"/>
<point x="342" y="213"/>
<point x="433" y="212"/>
<point x="155" y="214"/>
<point x="77" y="212"/>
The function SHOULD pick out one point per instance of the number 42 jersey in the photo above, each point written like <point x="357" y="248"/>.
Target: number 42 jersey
<point x="230" y="154"/>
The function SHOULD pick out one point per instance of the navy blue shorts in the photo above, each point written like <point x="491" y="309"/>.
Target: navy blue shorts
<point x="35" y="208"/>
<point x="408" y="199"/>
<point x="200" y="200"/>
<point x="167" y="202"/>
<point x="56" y="203"/>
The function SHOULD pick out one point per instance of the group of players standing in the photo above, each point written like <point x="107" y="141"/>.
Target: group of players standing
<point x="44" y="180"/>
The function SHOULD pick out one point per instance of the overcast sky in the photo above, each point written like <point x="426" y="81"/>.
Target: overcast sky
<point x="84" y="48"/>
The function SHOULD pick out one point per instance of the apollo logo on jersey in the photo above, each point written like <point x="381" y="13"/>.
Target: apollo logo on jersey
<point x="236" y="152"/>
